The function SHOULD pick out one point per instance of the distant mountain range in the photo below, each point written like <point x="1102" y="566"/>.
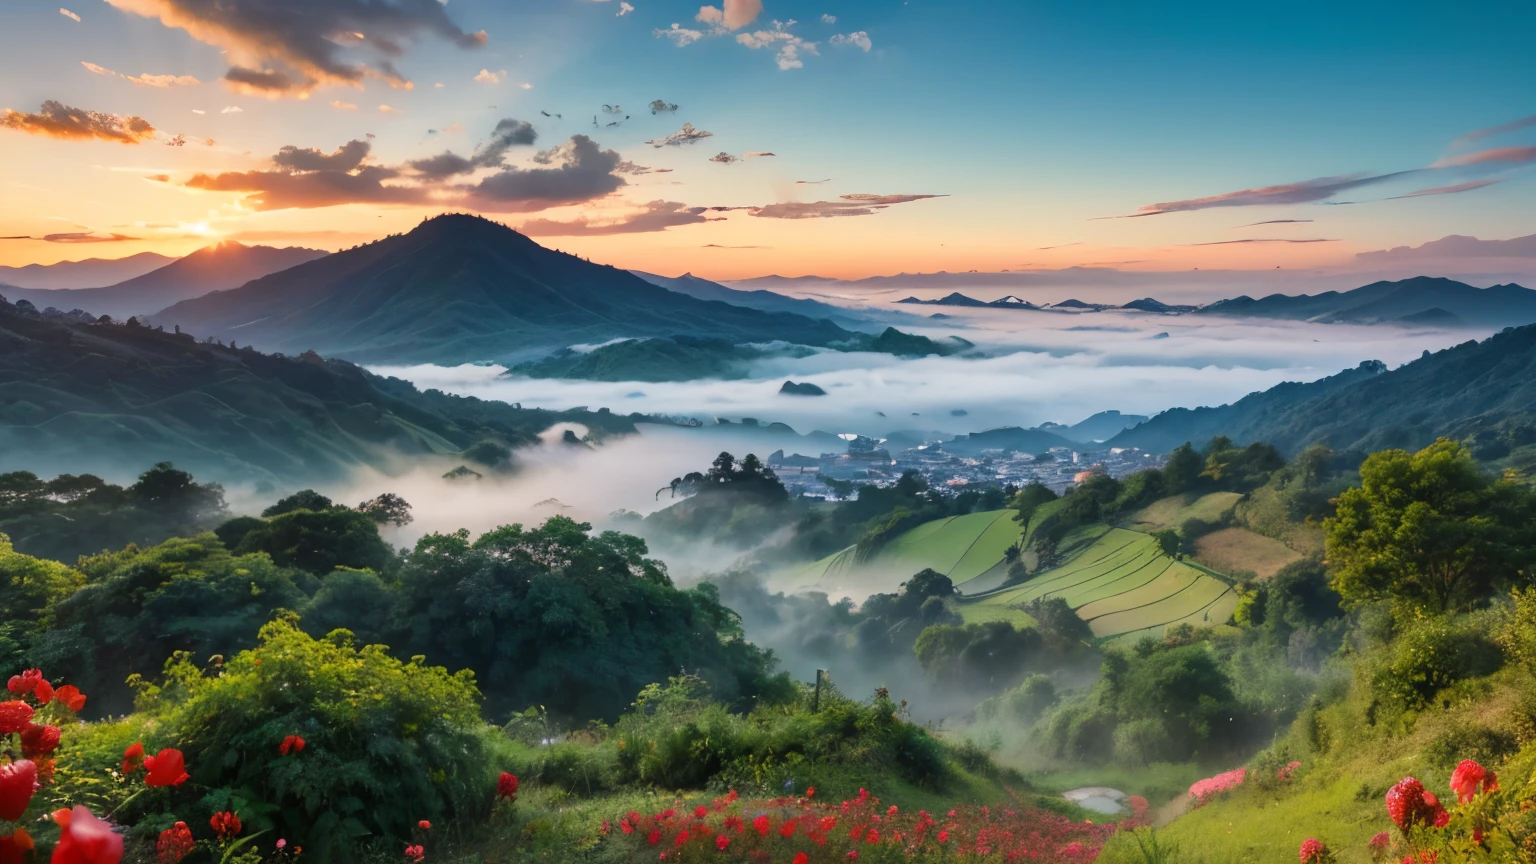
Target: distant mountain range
<point x="112" y="400"/>
<point x="213" y="268"/>
<point x="1423" y="300"/>
<point x="90" y="273"/>
<point x="1100" y="427"/>
<point x="1146" y="304"/>
<point x="768" y="301"/>
<point x="462" y="289"/>
<point x="1457" y="392"/>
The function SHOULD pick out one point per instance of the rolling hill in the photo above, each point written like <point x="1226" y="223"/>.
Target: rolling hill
<point x="1475" y="386"/>
<point x="212" y="268"/>
<point x="113" y="399"/>
<point x="768" y="301"/>
<point x="1421" y="301"/>
<point x="89" y="273"/>
<point x="460" y="289"/>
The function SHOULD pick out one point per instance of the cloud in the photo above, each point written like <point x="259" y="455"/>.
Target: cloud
<point x="1495" y="131"/>
<point x="657" y="216"/>
<point x="1274" y="222"/>
<point x="812" y="182"/>
<point x="661" y="106"/>
<point x="625" y="9"/>
<point x="1058" y="246"/>
<point x="850" y="205"/>
<point x="70" y="15"/>
<point x="509" y="133"/>
<point x="345" y="158"/>
<point x="1258" y="240"/>
<point x="628" y="167"/>
<point x="290" y="47"/>
<point x="145" y="79"/>
<point x="1516" y="155"/>
<point x="342" y="106"/>
<point x="858" y="39"/>
<point x="757" y="154"/>
<point x="789" y="44"/>
<point x="390" y="109"/>
<point x="307" y="178"/>
<point x="724" y="158"/>
<point x="486" y="76"/>
<point x="829" y="19"/>
<point x="57" y="120"/>
<point x="735" y="15"/>
<point x="1305" y="192"/>
<point x="1447" y="190"/>
<point x="681" y="36"/>
<point x="585" y="172"/>
<point x="85" y="237"/>
<point x="687" y="135"/>
<point x="1455" y="246"/>
<point x="236" y="109"/>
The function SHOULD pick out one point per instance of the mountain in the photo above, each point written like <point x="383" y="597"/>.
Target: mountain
<point x="1007" y="438"/>
<point x="1075" y="305"/>
<point x="461" y="289"/>
<point x="958" y="299"/>
<point x="1461" y="391"/>
<point x="113" y="399"/>
<point x="1100" y="427"/>
<point x="768" y="301"/>
<point x="82" y="274"/>
<point x="804" y="388"/>
<point x="1392" y="302"/>
<point x="212" y="268"/>
<point x="1148" y="304"/>
<point x="678" y="358"/>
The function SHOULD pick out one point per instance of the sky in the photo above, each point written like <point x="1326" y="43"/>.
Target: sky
<point x="846" y="138"/>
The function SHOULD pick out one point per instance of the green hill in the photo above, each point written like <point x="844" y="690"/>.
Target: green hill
<point x="964" y="548"/>
<point x="109" y="398"/>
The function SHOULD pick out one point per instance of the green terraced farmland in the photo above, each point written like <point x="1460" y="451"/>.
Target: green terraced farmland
<point x="1120" y="583"/>
<point x="961" y="547"/>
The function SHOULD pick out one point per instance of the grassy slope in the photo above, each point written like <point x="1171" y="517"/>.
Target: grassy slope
<point x="960" y="547"/>
<point x="1174" y="511"/>
<point x="1234" y="549"/>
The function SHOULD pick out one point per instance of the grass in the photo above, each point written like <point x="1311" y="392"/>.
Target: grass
<point x="1120" y="582"/>
<point x="1174" y="511"/>
<point x="961" y="547"/>
<point x="1231" y="550"/>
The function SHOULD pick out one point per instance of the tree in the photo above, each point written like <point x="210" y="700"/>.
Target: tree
<point x="319" y="542"/>
<point x="1029" y="500"/>
<point x="1428" y="530"/>
<point x="1168" y="541"/>
<point x="1181" y="473"/>
<point x="175" y="494"/>
<point x="387" y="509"/>
<point x="306" y="499"/>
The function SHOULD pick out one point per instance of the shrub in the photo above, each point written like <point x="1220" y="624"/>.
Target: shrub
<point x="388" y="743"/>
<point x="1430" y="655"/>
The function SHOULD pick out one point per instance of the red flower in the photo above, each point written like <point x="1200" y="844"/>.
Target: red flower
<point x="700" y="812"/>
<point x="225" y="825"/>
<point x="291" y="744"/>
<point x="424" y="825"/>
<point x="133" y="757"/>
<point x="24" y="683"/>
<point x="810" y="792"/>
<point x="39" y="740"/>
<point x="506" y="786"/>
<point x="84" y="839"/>
<point x="1313" y="851"/>
<point x="70" y="697"/>
<point x="853" y="856"/>
<point x="1469" y="778"/>
<point x="1380" y="842"/>
<point x="18" y="783"/>
<point x="174" y="844"/>
<point x="681" y="838"/>
<point x="415" y="853"/>
<point x="872" y="837"/>
<point x="787" y="830"/>
<point x="1405" y="803"/>
<point x="654" y="837"/>
<point x="760" y="824"/>
<point x="722" y="842"/>
<point x="14" y="716"/>
<point x="626" y="827"/>
<point x="802" y="858"/>
<point x="166" y="768"/>
<point x="43" y="692"/>
<point x="943" y="835"/>
<point x="15" y="846"/>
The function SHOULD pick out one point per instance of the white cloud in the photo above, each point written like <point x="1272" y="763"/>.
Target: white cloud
<point x="486" y="76"/>
<point x="68" y="14"/>
<point x="625" y="9"/>
<point x="342" y="106"/>
<point x="198" y="111"/>
<point x="526" y="86"/>
<point x="439" y="84"/>
<point x="829" y="19"/>
<point x="389" y="109"/>
<point x="790" y="46"/>
<point x="858" y="39"/>
<point x="236" y="109"/>
<point x="679" y="35"/>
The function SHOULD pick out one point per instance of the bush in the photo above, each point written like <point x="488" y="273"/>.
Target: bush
<point x="1429" y="656"/>
<point x="320" y="541"/>
<point x="387" y="742"/>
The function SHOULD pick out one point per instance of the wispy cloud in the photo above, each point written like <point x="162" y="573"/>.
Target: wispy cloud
<point x="1259" y="240"/>
<point x="1305" y="192"/>
<point x="1447" y="190"/>
<point x="681" y="36"/>
<point x="687" y="135"/>
<point x="1495" y="131"/>
<point x="657" y="216"/>
<point x="849" y="205"/>
<point x="70" y="15"/>
<point x="145" y="79"/>
<point x="858" y="39"/>
<point x="1275" y="222"/>
<point x="57" y="120"/>
<point x="1515" y="155"/>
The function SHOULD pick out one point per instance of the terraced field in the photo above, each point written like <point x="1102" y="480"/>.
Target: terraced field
<point x="962" y="548"/>
<point x="1120" y="584"/>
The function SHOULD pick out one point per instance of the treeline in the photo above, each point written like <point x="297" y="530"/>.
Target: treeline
<point x="555" y="616"/>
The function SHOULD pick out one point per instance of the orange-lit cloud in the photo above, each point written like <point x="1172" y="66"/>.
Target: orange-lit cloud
<point x="850" y="205"/>
<point x="657" y="216"/>
<point x="58" y="120"/>
<point x="145" y="79"/>
<point x="290" y="47"/>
